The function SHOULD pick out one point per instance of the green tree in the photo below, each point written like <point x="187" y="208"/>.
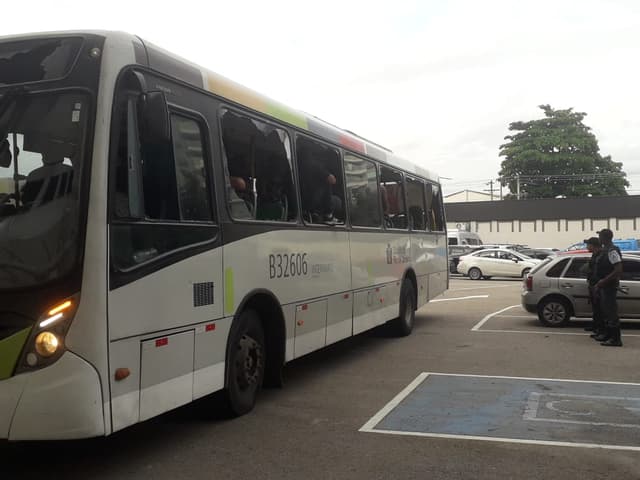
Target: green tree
<point x="558" y="155"/>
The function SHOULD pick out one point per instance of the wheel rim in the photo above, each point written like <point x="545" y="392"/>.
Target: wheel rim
<point x="554" y="312"/>
<point x="248" y="362"/>
<point x="474" y="274"/>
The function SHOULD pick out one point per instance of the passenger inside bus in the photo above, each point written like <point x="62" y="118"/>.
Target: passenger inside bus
<point x="321" y="186"/>
<point x="259" y="170"/>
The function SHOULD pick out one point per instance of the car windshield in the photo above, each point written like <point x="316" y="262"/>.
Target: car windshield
<point x="41" y="156"/>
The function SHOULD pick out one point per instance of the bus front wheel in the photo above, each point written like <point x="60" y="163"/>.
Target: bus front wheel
<point x="245" y="363"/>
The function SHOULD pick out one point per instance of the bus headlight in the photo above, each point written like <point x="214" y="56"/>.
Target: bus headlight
<point x="46" y="344"/>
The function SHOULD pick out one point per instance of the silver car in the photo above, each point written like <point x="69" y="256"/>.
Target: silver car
<point x="557" y="289"/>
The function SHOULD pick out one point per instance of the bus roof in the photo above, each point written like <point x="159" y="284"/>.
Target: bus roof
<point x="168" y="63"/>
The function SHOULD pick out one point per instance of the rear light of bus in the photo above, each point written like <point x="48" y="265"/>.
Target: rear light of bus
<point x="46" y="342"/>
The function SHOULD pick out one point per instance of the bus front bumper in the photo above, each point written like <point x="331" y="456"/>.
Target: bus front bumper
<point x="62" y="401"/>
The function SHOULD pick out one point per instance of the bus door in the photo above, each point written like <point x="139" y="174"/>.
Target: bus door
<point x="167" y="343"/>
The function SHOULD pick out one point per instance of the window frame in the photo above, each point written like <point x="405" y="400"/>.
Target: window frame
<point x="349" y="216"/>
<point x="207" y="161"/>
<point x="431" y="184"/>
<point x="633" y="262"/>
<point x="298" y="184"/>
<point x="412" y="178"/>
<point x="222" y="108"/>
<point x="404" y="197"/>
<point x="575" y="261"/>
<point x="119" y="277"/>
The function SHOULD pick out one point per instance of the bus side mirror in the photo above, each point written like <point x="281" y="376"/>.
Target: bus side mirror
<point x="155" y="128"/>
<point x="5" y="154"/>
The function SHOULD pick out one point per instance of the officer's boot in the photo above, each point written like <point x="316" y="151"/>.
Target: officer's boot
<point x="615" y="339"/>
<point x="604" y="335"/>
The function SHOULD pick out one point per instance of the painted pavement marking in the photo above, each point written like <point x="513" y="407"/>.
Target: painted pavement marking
<point x="520" y="410"/>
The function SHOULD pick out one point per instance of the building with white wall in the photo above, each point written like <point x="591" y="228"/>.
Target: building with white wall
<point x="548" y="222"/>
<point x="469" y="196"/>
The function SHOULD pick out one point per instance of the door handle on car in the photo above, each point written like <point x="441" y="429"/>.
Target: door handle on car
<point x="624" y="290"/>
<point x="567" y="285"/>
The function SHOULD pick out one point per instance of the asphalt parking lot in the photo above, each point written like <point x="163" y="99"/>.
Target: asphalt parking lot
<point x="479" y="390"/>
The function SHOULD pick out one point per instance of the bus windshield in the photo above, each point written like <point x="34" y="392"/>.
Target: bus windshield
<point x="41" y="157"/>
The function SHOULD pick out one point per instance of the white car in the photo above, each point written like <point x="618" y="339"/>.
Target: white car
<point x="496" y="262"/>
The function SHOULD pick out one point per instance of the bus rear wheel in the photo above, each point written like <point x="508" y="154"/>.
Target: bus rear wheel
<point x="403" y="325"/>
<point x="245" y="363"/>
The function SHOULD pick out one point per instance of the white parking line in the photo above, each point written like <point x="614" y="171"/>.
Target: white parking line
<point x="487" y="317"/>
<point x="476" y="288"/>
<point x="377" y="418"/>
<point x="459" y="298"/>
<point x="548" y="331"/>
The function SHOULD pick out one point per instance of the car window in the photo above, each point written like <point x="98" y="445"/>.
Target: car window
<point x="556" y="270"/>
<point x="486" y="254"/>
<point x="506" y="256"/>
<point x="630" y="270"/>
<point x="578" y="268"/>
<point x="538" y="266"/>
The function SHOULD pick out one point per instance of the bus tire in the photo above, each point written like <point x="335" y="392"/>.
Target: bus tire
<point x="403" y="325"/>
<point x="245" y="363"/>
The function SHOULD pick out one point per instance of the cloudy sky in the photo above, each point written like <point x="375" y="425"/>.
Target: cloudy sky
<point x="437" y="81"/>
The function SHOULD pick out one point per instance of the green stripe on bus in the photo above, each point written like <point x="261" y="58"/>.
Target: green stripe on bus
<point x="287" y="115"/>
<point x="228" y="291"/>
<point x="10" y="349"/>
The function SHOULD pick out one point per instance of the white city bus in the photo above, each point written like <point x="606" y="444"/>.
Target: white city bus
<point x="166" y="233"/>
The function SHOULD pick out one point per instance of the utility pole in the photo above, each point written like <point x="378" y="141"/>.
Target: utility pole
<point x="490" y="183"/>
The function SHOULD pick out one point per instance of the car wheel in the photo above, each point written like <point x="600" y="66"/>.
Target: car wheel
<point x="525" y="272"/>
<point x="554" y="312"/>
<point x="475" y="273"/>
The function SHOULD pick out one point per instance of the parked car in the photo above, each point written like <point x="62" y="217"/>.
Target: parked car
<point x="455" y="252"/>
<point x="557" y="289"/>
<point x="463" y="237"/>
<point x="539" y="253"/>
<point x="495" y="262"/>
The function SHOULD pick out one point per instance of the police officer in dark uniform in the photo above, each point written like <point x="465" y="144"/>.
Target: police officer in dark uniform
<point x="608" y="272"/>
<point x="597" y="326"/>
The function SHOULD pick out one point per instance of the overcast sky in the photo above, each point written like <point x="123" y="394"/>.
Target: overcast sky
<point x="437" y="81"/>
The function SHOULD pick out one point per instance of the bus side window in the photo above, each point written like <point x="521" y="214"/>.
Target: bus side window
<point x="160" y="182"/>
<point x="362" y="191"/>
<point x="394" y="209"/>
<point x="435" y="211"/>
<point x="258" y="167"/>
<point x="320" y="180"/>
<point x="417" y="211"/>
